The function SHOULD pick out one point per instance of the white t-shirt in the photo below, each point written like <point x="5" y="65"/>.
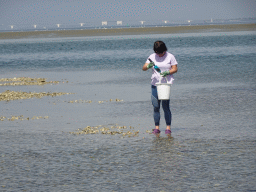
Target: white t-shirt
<point x="164" y="64"/>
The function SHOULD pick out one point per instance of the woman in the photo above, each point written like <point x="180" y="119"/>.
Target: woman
<point x="167" y="64"/>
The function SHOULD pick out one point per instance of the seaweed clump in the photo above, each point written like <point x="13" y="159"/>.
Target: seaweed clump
<point x="15" y="95"/>
<point x="22" y="118"/>
<point x="25" y="81"/>
<point x="113" y="130"/>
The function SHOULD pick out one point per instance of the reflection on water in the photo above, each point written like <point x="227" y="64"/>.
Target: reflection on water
<point x="66" y="162"/>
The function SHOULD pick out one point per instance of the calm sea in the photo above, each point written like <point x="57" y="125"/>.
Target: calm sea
<point x="212" y="147"/>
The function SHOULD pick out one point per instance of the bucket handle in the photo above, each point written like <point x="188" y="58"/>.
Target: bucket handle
<point x="161" y="77"/>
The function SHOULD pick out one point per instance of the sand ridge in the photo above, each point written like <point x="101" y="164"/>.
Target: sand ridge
<point x="127" y="31"/>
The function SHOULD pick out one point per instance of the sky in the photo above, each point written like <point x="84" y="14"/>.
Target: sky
<point x="44" y="12"/>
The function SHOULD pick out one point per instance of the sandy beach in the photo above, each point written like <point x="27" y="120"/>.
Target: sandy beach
<point x="127" y="31"/>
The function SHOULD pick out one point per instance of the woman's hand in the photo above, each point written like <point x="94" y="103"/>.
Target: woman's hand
<point x="173" y="70"/>
<point x="150" y="65"/>
<point x="165" y="73"/>
<point x="147" y="66"/>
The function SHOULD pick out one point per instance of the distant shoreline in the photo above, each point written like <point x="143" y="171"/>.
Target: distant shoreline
<point x="128" y="31"/>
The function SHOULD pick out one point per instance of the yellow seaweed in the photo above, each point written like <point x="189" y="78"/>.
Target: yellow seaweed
<point x="15" y="95"/>
<point x="25" y="81"/>
<point x="106" y="131"/>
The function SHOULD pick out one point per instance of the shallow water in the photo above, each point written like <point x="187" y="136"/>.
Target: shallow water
<point x="212" y="147"/>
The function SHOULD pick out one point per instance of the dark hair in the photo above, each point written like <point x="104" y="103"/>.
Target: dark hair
<point x="159" y="47"/>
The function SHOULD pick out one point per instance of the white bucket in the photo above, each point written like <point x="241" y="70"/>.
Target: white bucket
<point x="163" y="90"/>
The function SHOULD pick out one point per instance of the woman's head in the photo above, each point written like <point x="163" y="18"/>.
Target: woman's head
<point x="159" y="47"/>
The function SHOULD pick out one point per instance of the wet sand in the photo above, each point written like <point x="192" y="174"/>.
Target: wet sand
<point x="127" y="31"/>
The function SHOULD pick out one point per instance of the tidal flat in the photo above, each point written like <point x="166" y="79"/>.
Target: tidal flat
<point x="212" y="145"/>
